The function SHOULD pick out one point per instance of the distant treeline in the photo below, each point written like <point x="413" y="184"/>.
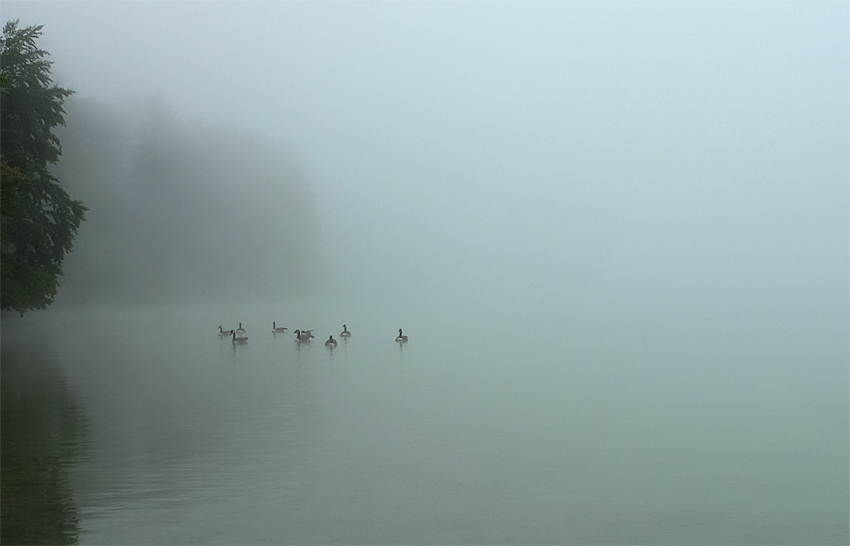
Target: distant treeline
<point x="182" y="211"/>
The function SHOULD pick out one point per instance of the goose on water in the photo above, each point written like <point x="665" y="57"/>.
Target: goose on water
<point x="277" y="330"/>
<point x="345" y="332"/>
<point x="301" y="337"/>
<point x="239" y="339"/>
<point x="240" y="330"/>
<point x="331" y="342"/>
<point x="223" y="333"/>
<point x="306" y="333"/>
<point x="401" y="338"/>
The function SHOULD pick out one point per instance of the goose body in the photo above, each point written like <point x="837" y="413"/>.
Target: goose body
<point x="345" y="332"/>
<point x="223" y="332"/>
<point x="277" y="330"/>
<point x="308" y="333"/>
<point x="401" y="338"/>
<point x="239" y="339"/>
<point x="331" y="342"/>
<point x="302" y="337"/>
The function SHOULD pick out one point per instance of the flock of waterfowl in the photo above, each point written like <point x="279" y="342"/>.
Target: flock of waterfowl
<point x="301" y="336"/>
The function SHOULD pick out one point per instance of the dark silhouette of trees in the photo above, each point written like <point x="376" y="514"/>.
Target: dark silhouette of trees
<point x="39" y="219"/>
<point x="183" y="211"/>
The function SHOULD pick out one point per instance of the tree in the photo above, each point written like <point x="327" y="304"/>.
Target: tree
<point x="39" y="219"/>
<point x="184" y="211"/>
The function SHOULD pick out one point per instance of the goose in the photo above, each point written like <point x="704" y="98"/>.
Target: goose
<point x="240" y="330"/>
<point x="277" y="330"/>
<point x="401" y="338"/>
<point x="308" y="333"/>
<point x="223" y="333"/>
<point x="331" y="342"/>
<point x="301" y="337"/>
<point x="345" y="332"/>
<point x="240" y="339"/>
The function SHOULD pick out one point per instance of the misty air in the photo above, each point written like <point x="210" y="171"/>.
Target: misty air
<point x="425" y="273"/>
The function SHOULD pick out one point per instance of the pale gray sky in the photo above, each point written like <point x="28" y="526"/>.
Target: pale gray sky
<point x="583" y="153"/>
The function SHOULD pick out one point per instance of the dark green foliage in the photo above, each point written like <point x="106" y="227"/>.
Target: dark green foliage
<point x="39" y="219"/>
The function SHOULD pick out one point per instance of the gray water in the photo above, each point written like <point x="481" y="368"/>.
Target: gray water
<point x="685" y="430"/>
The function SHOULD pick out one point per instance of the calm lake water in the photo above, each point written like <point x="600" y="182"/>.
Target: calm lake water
<point x="145" y="427"/>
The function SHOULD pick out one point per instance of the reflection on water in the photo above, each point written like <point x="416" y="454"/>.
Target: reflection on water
<point x="710" y="433"/>
<point x="42" y="432"/>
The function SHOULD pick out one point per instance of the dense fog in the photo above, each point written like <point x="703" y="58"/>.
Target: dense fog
<point x="183" y="212"/>
<point x="536" y="159"/>
<point x="616" y="233"/>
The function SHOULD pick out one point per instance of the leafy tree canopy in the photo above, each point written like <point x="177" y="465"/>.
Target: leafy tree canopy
<point x="39" y="219"/>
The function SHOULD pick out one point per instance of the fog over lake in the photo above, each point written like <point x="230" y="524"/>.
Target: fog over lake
<point x="615" y="232"/>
